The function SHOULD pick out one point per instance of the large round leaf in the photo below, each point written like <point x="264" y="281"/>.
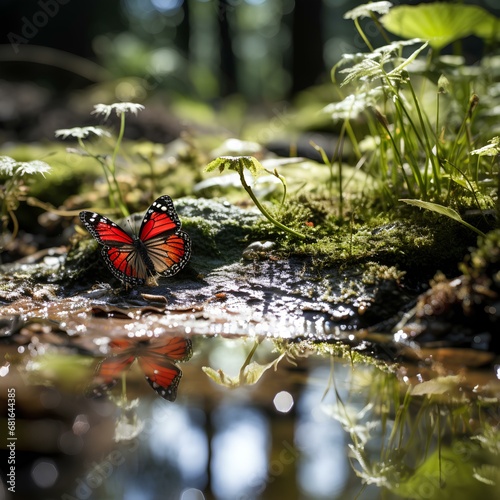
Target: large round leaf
<point x="439" y="23"/>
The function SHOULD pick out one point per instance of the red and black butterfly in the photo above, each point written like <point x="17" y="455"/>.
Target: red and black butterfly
<point x="160" y="248"/>
<point x="156" y="358"/>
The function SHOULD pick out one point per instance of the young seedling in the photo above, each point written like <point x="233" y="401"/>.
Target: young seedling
<point x="238" y="164"/>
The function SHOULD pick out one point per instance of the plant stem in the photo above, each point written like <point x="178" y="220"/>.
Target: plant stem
<point x="112" y="167"/>
<point x="248" y="360"/>
<point x="264" y="212"/>
<point x="362" y="34"/>
<point x="430" y="154"/>
<point x="124" y="387"/>
<point x="398" y="156"/>
<point x="107" y="173"/>
<point x="115" y="194"/>
<point x="118" y="143"/>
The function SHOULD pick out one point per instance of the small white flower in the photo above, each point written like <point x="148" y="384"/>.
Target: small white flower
<point x="33" y="167"/>
<point x="7" y="165"/>
<point x="366" y="10"/>
<point x="10" y="166"/>
<point x="351" y="420"/>
<point x="81" y="132"/>
<point x="118" y="107"/>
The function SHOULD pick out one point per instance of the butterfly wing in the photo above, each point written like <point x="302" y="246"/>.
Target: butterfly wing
<point x="120" y="250"/>
<point x="156" y="361"/>
<point x="104" y="230"/>
<point x="125" y="263"/>
<point x="167" y="246"/>
<point x="162" y="375"/>
<point x="109" y="372"/>
<point x="174" y="348"/>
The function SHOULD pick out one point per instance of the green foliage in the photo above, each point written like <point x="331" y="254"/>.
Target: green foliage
<point x="420" y="120"/>
<point x="440" y="23"/>
<point x="446" y="211"/>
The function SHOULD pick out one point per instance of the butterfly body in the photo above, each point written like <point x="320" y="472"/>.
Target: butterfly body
<point x="159" y="248"/>
<point x="143" y="254"/>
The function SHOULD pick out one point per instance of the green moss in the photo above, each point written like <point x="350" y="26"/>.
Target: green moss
<point x="411" y="240"/>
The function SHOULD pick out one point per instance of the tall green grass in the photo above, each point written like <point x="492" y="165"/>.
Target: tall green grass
<point x="417" y="120"/>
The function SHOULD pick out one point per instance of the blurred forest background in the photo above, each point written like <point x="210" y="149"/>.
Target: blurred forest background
<point x="59" y="57"/>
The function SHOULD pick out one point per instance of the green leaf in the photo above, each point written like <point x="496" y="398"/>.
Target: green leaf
<point x="438" y="385"/>
<point x="250" y="373"/>
<point x="434" y="207"/>
<point x="488" y="28"/>
<point x="252" y="164"/>
<point x="440" y="209"/>
<point x="407" y="61"/>
<point x="453" y="466"/>
<point x="220" y="377"/>
<point x="222" y="163"/>
<point x="236" y="163"/>
<point x="253" y="371"/>
<point x="439" y="23"/>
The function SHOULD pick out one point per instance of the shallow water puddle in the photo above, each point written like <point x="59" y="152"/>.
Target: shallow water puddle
<point x="243" y="416"/>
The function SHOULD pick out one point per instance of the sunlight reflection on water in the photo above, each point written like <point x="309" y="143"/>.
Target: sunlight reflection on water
<point x="176" y="432"/>
<point x="323" y="467"/>
<point x="239" y="451"/>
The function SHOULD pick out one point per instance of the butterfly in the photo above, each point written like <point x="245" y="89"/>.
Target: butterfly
<point x="156" y="357"/>
<point x="160" y="247"/>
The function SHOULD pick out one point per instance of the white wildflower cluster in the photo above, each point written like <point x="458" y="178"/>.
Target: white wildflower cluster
<point x="99" y="109"/>
<point x="353" y="104"/>
<point x="11" y="167"/>
<point x="367" y="67"/>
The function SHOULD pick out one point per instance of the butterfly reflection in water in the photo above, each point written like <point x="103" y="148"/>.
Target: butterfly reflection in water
<point x="156" y="358"/>
<point x="160" y="247"/>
